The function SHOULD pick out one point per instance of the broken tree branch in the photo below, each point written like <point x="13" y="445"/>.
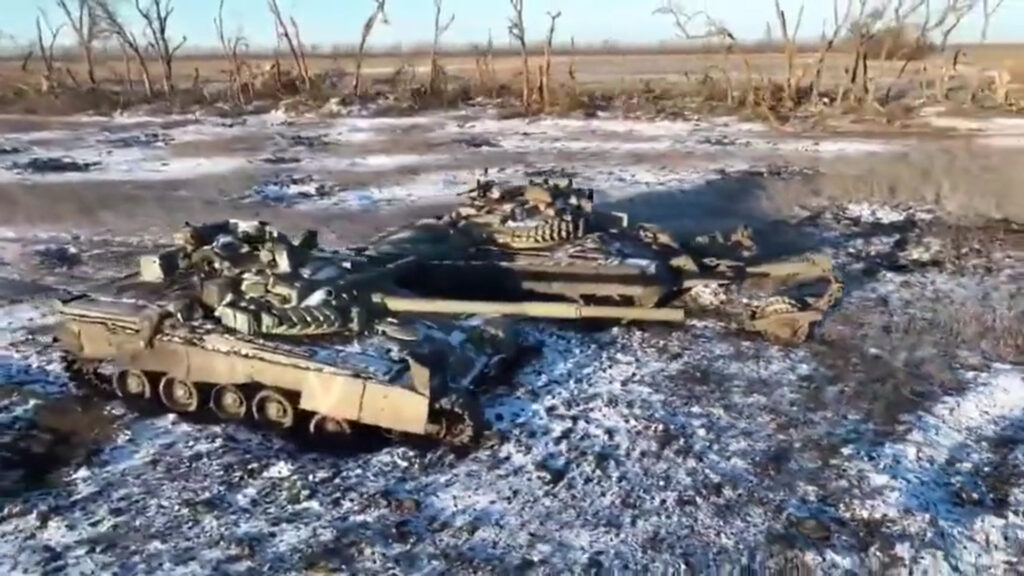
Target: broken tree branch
<point x="439" y="30"/>
<point x="283" y="34"/>
<point x="988" y="8"/>
<point x="549" y="41"/>
<point x="371" y="21"/>
<point x="46" y="48"/>
<point x="110" y="22"/>
<point x="517" y="31"/>
<point x="83" y="23"/>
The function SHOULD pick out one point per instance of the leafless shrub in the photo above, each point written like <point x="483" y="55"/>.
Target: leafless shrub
<point x="486" y="77"/>
<point x="231" y="45"/>
<point x="899" y="42"/>
<point x="378" y="14"/>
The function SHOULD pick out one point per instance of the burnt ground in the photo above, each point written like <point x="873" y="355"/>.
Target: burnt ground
<point x="771" y="448"/>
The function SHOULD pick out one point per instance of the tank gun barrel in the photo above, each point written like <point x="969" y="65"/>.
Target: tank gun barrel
<point x="553" y="310"/>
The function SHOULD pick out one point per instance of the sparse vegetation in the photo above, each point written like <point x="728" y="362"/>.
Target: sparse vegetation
<point x="873" y="59"/>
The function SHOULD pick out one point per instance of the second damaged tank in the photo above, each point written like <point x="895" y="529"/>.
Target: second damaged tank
<point x="241" y="320"/>
<point x="547" y="240"/>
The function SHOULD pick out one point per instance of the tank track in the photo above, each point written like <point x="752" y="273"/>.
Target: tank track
<point x="457" y="419"/>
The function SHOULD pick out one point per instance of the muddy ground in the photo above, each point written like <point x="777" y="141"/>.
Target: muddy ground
<point x="893" y="438"/>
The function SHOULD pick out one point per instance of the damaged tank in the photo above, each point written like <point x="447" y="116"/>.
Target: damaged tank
<point x="540" y="239"/>
<point x="239" y="320"/>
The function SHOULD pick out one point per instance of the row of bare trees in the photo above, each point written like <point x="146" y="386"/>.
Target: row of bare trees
<point x="93" y="21"/>
<point x="884" y="29"/>
<point x="901" y="27"/>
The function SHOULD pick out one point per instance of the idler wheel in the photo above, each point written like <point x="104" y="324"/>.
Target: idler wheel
<point x="459" y="420"/>
<point x="324" y="426"/>
<point x="179" y="395"/>
<point x="133" y="384"/>
<point x="228" y="402"/>
<point x="270" y="407"/>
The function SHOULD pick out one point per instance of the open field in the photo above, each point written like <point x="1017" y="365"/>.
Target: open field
<point x="694" y="79"/>
<point x="893" y="439"/>
<point x="604" y="69"/>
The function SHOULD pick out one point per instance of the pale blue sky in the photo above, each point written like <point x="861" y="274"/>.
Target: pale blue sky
<point x="327" y="22"/>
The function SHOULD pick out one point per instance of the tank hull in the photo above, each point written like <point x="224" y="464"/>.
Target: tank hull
<point x="345" y="381"/>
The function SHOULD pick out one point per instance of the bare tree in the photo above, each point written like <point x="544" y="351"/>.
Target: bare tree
<point x="546" y="77"/>
<point x="292" y="40"/>
<point x="517" y="32"/>
<point x="439" y="30"/>
<point x="954" y="14"/>
<point x="683" y="20"/>
<point x="712" y="30"/>
<point x="230" y="46"/>
<point x="378" y="14"/>
<point x="108" y="21"/>
<point x="82" y="20"/>
<point x="155" y="14"/>
<point x="988" y="8"/>
<point x="863" y="28"/>
<point x="839" y="23"/>
<point x="572" y="67"/>
<point x="789" y="43"/>
<point x="46" y="47"/>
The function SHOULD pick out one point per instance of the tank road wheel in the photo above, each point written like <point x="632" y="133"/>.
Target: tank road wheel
<point x="133" y="384"/>
<point x="179" y="395"/>
<point x="459" y="420"/>
<point x="270" y="407"/>
<point x="228" y="402"/>
<point x="324" y="426"/>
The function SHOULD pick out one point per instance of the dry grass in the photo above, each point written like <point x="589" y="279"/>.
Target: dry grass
<point x="667" y="81"/>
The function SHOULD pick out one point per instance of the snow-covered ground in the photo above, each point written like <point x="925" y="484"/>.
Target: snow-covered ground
<point x="881" y="443"/>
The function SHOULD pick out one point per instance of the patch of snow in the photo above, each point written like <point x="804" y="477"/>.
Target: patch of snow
<point x="997" y="125"/>
<point x="307" y="192"/>
<point x="926" y="481"/>
<point x="869" y="212"/>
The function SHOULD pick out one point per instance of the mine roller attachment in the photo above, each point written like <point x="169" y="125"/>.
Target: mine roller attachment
<point x="786" y="320"/>
<point x="781" y="320"/>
